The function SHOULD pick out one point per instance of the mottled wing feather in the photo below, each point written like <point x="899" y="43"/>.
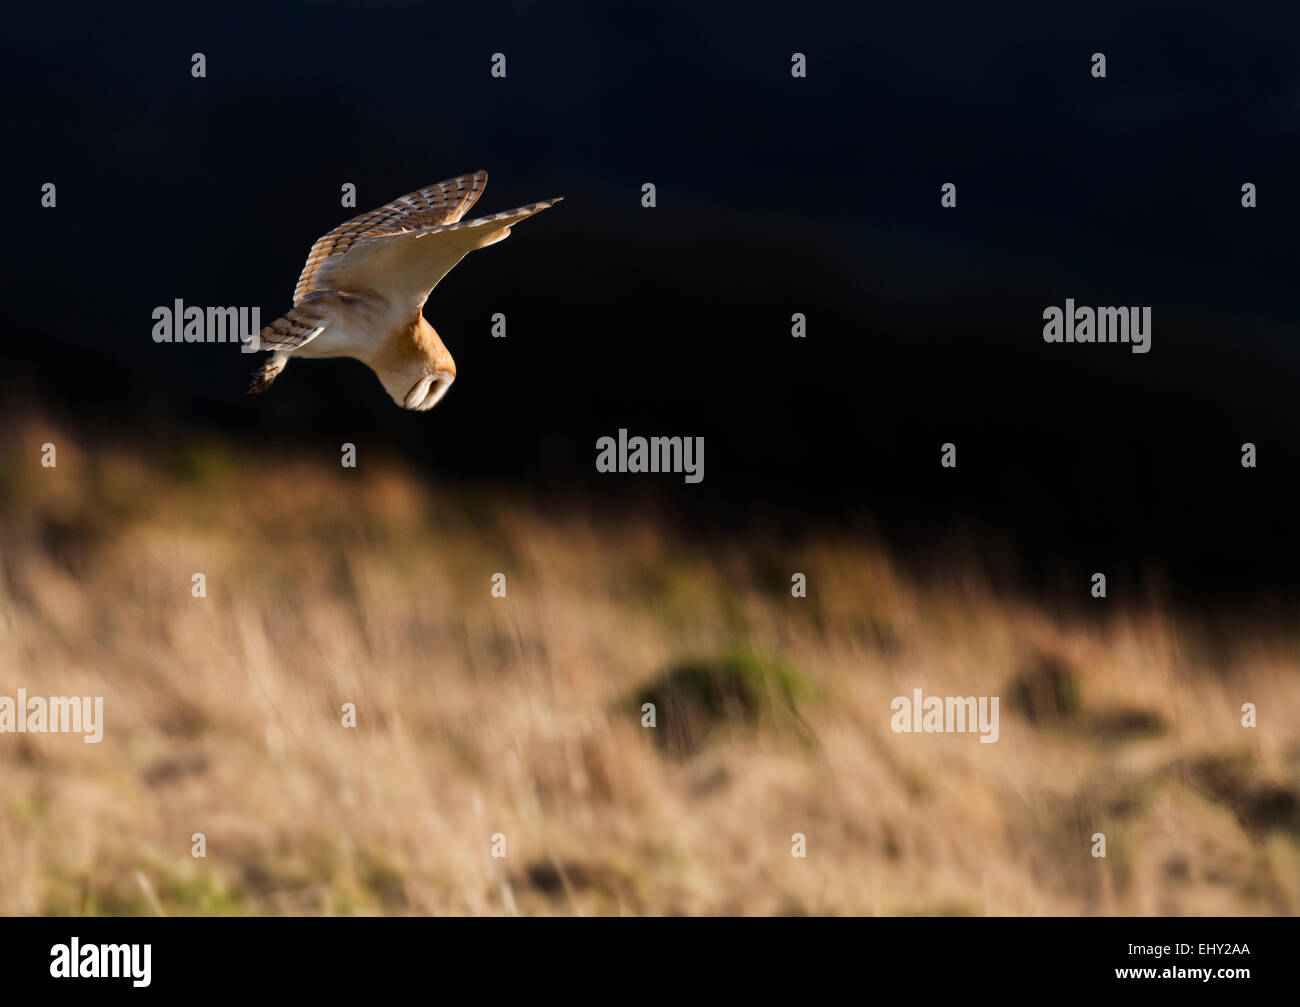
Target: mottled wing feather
<point x="442" y="203"/>
<point x="406" y="261"/>
<point x="292" y="330"/>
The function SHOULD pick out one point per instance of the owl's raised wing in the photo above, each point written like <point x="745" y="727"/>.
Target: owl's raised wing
<point x="438" y="204"/>
<point x="405" y="262"/>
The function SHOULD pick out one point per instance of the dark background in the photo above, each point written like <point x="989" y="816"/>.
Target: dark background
<point x="775" y="195"/>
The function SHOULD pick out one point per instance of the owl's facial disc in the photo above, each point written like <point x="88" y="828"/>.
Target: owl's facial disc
<point x="428" y="390"/>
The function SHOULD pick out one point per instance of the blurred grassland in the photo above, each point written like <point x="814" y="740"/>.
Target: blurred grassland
<point x="522" y="715"/>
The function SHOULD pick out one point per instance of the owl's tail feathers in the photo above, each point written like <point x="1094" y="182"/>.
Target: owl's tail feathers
<point x="268" y="372"/>
<point x="296" y="328"/>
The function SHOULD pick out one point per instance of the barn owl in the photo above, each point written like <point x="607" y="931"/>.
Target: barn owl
<point x="362" y="291"/>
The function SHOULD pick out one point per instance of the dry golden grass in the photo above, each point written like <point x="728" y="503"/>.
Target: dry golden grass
<point x="521" y="716"/>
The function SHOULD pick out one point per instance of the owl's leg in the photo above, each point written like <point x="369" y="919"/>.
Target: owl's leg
<point x="268" y="372"/>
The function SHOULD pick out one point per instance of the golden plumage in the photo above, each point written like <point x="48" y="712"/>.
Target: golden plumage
<point x="363" y="288"/>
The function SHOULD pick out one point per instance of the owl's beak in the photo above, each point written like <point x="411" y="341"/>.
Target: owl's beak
<point x="429" y="390"/>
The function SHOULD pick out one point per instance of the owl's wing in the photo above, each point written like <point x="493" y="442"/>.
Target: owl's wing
<point x="405" y="263"/>
<point x="442" y="203"/>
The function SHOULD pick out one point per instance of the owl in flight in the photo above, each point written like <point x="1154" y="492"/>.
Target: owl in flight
<point x="362" y="290"/>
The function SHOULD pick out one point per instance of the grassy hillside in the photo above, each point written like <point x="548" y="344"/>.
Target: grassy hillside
<point x="521" y="715"/>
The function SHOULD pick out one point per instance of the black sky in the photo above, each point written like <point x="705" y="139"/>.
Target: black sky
<point x="775" y="195"/>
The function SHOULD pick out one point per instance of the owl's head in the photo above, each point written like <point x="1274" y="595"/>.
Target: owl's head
<point x="415" y="367"/>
